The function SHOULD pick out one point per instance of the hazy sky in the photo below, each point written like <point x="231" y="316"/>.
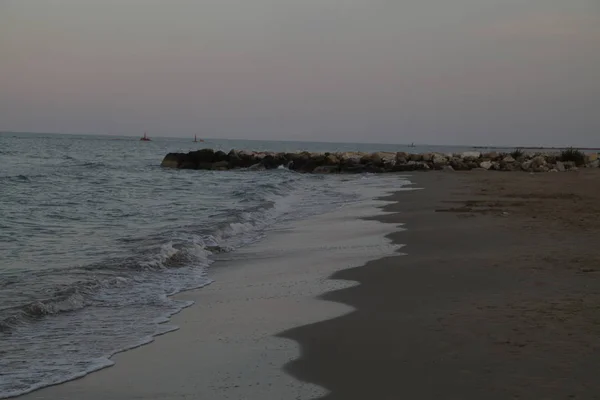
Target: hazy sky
<point x="514" y="72"/>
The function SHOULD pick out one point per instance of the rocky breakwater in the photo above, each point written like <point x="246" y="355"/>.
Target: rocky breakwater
<point x="357" y="162"/>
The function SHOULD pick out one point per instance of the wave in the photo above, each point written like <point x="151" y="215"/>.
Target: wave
<point x="84" y="307"/>
<point x="194" y="250"/>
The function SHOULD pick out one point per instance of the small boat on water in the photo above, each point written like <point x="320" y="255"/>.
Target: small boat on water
<point x="196" y="139"/>
<point x="145" y="138"/>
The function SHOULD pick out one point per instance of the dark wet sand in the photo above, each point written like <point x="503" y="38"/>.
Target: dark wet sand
<point x="497" y="297"/>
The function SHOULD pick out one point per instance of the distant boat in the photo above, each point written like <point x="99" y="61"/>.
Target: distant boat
<point x="145" y="138"/>
<point x="196" y="139"/>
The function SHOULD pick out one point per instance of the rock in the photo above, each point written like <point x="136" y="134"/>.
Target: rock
<point x="350" y="158"/>
<point x="357" y="162"/>
<point x="401" y="156"/>
<point x="331" y="159"/>
<point x="427" y="157"/>
<point x="538" y="161"/>
<point x="272" y="161"/>
<point x="220" y="166"/>
<point x="439" y="160"/>
<point x="220" y="156"/>
<point x="389" y="164"/>
<point x="171" y="160"/>
<point x="471" y="155"/>
<point x="326" y="169"/>
<point x="594" y="164"/>
<point x="458" y="164"/>
<point x="526" y="165"/>
<point x="376" y="159"/>
<point x="491" y="156"/>
<point x="410" y="166"/>
<point x="486" y="165"/>
<point x="553" y="170"/>
<point x="473" y="164"/>
<point x="204" y="155"/>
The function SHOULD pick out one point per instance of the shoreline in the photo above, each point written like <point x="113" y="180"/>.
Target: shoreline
<point x="493" y="296"/>
<point x="225" y="346"/>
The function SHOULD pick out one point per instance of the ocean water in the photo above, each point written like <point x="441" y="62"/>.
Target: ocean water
<point x="95" y="236"/>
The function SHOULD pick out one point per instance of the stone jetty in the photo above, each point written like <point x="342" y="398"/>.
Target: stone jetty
<point x="357" y="162"/>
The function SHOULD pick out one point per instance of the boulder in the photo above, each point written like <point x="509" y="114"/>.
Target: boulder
<point x="427" y="156"/>
<point x="356" y="162"/>
<point x="439" y="160"/>
<point x="220" y="156"/>
<point x="538" y="161"/>
<point x="486" y="165"/>
<point x="171" y="160"/>
<point x="203" y="156"/>
<point x="401" y="160"/>
<point x="526" y="165"/>
<point x="374" y="159"/>
<point x="275" y="160"/>
<point x="470" y="155"/>
<point x="509" y="166"/>
<point x="410" y="166"/>
<point x="332" y="159"/>
<point x="350" y="158"/>
<point x="458" y="164"/>
<point x="401" y="155"/>
<point x="220" y="166"/>
<point x="593" y="164"/>
<point x="492" y="156"/>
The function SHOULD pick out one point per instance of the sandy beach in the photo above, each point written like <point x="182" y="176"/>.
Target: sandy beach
<point x="497" y="297"/>
<point x="480" y="285"/>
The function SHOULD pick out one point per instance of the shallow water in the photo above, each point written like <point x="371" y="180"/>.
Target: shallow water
<point x="94" y="236"/>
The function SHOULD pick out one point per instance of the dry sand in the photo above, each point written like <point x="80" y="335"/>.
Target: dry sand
<point x="498" y="296"/>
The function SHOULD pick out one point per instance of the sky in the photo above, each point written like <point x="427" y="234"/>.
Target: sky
<point x="463" y="72"/>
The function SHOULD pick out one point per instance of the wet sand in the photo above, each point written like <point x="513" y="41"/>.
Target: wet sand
<point x="497" y="296"/>
<point x="226" y="346"/>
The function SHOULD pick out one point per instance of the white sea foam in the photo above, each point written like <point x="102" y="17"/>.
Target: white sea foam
<point x="123" y="306"/>
<point x="262" y="289"/>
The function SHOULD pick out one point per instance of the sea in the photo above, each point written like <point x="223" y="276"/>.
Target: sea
<point x="95" y="238"/>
